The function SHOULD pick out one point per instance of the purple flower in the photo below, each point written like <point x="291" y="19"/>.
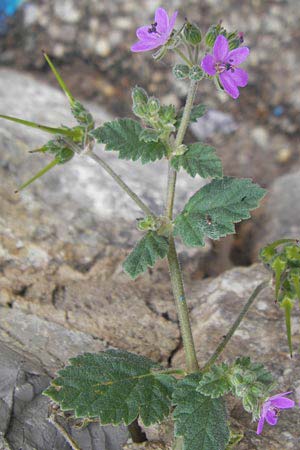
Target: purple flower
<point x="271" y="409"/>
<point x="157" y="34"/>
<point x="224" y="63"/>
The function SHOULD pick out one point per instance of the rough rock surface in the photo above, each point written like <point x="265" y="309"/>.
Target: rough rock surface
<point x="32" y="350"/>
<point x="281" y="215"/>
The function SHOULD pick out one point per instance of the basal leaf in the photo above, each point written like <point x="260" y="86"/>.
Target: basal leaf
<point x="145" y="254"/>
<point x="200" y="420"/>
<point x="216" y="382"/>
<point x="114" y="386"/>
<point x="215" y="208"/>
<point x="199" y="159"/>
<point x="123" y="135"/>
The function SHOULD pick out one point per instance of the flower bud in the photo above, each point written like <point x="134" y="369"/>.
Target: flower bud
<point x="196" y="73"/>
<point x="192" y="34"/>
<point x="181" y="71"/>
<point x="153" y="106"/>
<point x="139" y="96"/>
<point x="213" y="32"/>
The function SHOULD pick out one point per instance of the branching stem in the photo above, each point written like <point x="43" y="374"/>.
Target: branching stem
<point x="236" y="324"/>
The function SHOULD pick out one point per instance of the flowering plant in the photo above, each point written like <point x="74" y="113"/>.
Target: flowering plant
<point x="116" y="386"/>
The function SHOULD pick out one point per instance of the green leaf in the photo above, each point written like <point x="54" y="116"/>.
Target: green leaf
<point x="215" y="208"/>
<point x="199" y="159"/>
<point x="149" y="135"/>
<point x="122" y="135"/>
<point x="197" y="112"/>
<point x="181" y="71"/>
<point x="216" y="382"/>
<point x="200" y="420"/>
<point x="145" y="254"/>
<point x="196" y="73"/>
<point x="114" y="386"/>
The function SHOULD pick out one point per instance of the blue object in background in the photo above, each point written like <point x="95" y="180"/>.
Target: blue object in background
<point x="278" y="111"/>
<point x="7" y="9"/>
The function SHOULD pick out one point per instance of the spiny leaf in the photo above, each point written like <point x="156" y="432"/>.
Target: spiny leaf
<point x="287" y="304"/>
<point x="114" y="386"/>
<point x="199" y="159"/>
<point x="216" y="382"/>
<point x="60" y="80"/>
<point x="27" y="123"/>
<point x="200" y="420"/>
<point x="215" y="208"/>
<point x="145" y="254"/>
<point x="123" y="135"/>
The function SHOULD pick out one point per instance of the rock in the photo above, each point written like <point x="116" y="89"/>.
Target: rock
<point x="281" y="217"/>
<point x="213" y="122"/>
<point x="32" y="350"/>
<point x="215" y="304"/>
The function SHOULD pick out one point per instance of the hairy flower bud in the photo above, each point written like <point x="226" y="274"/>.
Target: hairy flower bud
<point x="192" y="34"/>
<point x="153" y="105"/>
<point x="139" y="96"/>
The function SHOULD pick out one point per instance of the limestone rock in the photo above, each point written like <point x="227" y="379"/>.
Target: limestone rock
<point x="32" y="350"/>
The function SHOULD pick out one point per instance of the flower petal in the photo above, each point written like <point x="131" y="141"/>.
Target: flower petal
<point x="143" y="33"/>
<point x="229" y="84"/>
<point x="271" y="417"/>
<point x="162" y="20"/>
<point x="260" y="425"/>
<point x="172" y="21"/>
<point x="282" y="394"/>
<point x="240" y="77"/>
<point x="145" y="46"/>
<point x="221" y="48"/>
<point x="238" y="55"/>
<point x="208" y="65"/>
<point x="283" y="403"/>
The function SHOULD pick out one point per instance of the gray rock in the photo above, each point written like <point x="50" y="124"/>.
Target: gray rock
<point x="32" y="350"/>
<point x="281" y="216"/>
<point x="213" y="122"/>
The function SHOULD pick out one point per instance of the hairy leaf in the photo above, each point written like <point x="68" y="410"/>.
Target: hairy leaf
<point x="123" y="135"/>
<point x="216" y="382"/>
<point x="215" y="208"/>
<point x="199" y="159"/>
<point x="200" y="420"/>
<point x="145" y="254"/>
<point x="114" y="386"/>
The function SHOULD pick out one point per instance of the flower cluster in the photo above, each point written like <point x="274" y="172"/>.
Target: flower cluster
<point x="222" y="63"/>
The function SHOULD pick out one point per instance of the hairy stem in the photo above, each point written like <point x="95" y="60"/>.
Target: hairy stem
<point x="174" y="267"/>
<point x="113" y="174"/>
<point x="182" y="309"/>
<point x="178" y="141"/>
<point x="236" y="324"/>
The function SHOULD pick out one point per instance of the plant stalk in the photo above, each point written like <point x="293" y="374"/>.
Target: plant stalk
<point x="236" y="324"/>
<point x="174" y="267"/>
<point x="76" y="149"/>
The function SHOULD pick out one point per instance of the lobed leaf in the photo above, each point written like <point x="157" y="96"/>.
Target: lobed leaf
<point x="216" y="382"/>
<point x="213" y="210"/>
<point x="123" y="136"/>
<point x="145" y="254"/>
<point x="200" y="420"/>
<point x="114" y="386"/>
<point x="199" y="159"/>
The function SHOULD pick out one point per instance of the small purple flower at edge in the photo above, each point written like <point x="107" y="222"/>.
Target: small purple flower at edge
<point x="157" y="34"/>
<point x="224" y="64"/>
<point x="271" y="408"/>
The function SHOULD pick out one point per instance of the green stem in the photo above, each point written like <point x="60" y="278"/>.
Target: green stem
<point x="182" y="308"/>
<point x="174" y="267"/>
<point x="113" y="174"/>
<point x="182" y="56"/>
<point x="172" y="175"/>
<point x="236" y="324"/>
